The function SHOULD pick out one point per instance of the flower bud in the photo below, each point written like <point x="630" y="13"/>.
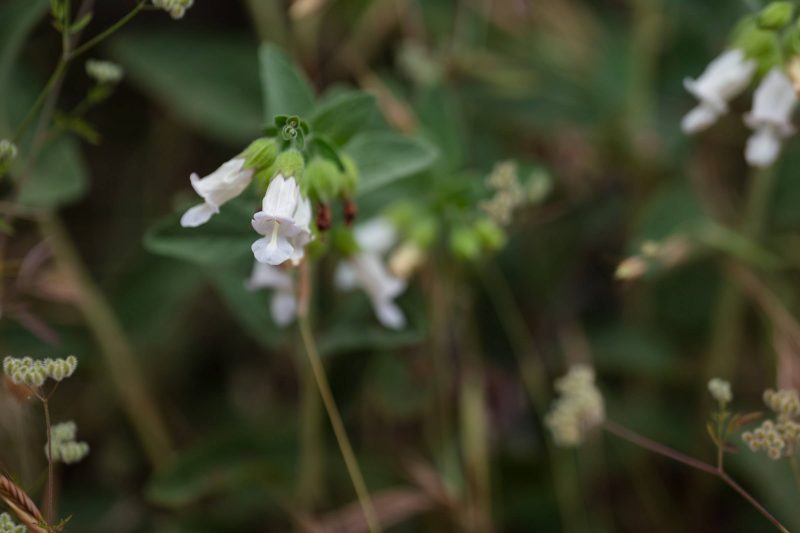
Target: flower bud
<point x="8" y="153"/>
<point x="491" y="235"/>
<point x="776" y="15"/>
<point x="260" y="154"/>
<point x="465" y="243"/>
<point x="289" y="163"/>
<point x="104" y="71"/>
<point x="322" y="179"/>
<point x="350" y="176"/>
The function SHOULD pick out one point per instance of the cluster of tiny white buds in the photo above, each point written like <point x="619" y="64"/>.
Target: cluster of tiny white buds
<point x="578" y="410"/>
<point x="104" y="71"/>
<point x="509" y="193"/>
<point x="781" y="437"/>
<point x="8" y="151"/>
<point x="7" y="525"/>
<point x="31" y="372"/>
<point x="720" y="390"/>
<point x="175" y="8"/>
<point x="65" y="448"/>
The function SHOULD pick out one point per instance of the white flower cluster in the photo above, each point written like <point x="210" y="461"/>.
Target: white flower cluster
<point x="578" y="410"/>
<point x="509" y="193"/>
<point x="31" y="372"/>
<point x="7" y="525"/>
<point x="781" y="437"/>
<point x="104" y="71"/>
<point x="175" y="8"/>
<point x="8" y="151"/>
<point x="65" y="448"/>
<point x="773" y="104"/>
<point x="720" y="390"/>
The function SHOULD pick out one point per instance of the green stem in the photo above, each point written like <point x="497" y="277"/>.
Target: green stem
<point x="40" y="99"/>
<point x="318" y="371"/>
<point x="48" y="502"/>
<point x="727" y="333"/>
<point x="115" y="346"/>
<point x="102" y="36"/>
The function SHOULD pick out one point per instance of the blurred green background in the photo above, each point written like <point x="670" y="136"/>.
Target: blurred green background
<point x="588" y="91"/>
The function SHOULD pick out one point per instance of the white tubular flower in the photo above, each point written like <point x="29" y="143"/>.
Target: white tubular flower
<point x="284" y="302"/>
<point x="724" y="78"/>
<point x="284" y="221"/>
<point x="367" y="271"/>
<point x="773" y="104"/>
<point x="578" y="410"/>
<point x="223" y="185"/>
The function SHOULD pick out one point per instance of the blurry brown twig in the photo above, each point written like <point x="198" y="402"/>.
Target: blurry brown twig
<point x="18" y="501"/>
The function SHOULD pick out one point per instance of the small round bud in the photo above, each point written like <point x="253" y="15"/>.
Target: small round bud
<point x="465" y="243"/>
<point x="260" y="154"/>
<point x="104" y="71"/>
<point x="720" y="390"/>
<point x="776" y="15"/>
<point x="289" y="163"/>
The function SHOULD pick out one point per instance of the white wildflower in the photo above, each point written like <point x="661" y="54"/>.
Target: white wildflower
<point x="7" y="525"/>
<point x="724" y="78"/>
<point x="65" y="448"/>
<point x="175" y="8"/>
<point x="284" y="221"/>
<point x="284" y="302"/>
<point x="773" y="104"/>
<point x="366" y="270"/>
<point x="219" y="187"/>
<point x="578" y="410"/>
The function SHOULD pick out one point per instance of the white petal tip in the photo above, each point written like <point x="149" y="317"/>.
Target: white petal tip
<point x="197" y="216"/>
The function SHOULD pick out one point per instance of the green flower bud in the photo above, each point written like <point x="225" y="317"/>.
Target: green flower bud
<point x="423" y="231"/>
<point x="776" y="15"/>
<point x="322" y="179"/>
<point x="104" y="71"/>
<point x="350" y="177"/>
<point x="344" y="241"/>
<point x="289" y="164"/>
<point x="465" y="243"/>
<point x="8" y="153"/>
<point x="491" y="235"/>
<point x="758" y="44"/>
<point x="260" y="154"/>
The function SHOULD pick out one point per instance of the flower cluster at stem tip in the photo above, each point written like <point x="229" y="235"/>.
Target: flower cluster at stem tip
<point x="7" y="525"/>
<point x="578" y="410"/>
<point x="175" y="8"/>
<point x="779" y="437"/>
<point x="720" y="390"/>
<point x="34" y="373"/>
<point x="104" y="71"/>
<point x="65" y="448"/>
<point x="766" y="47"/>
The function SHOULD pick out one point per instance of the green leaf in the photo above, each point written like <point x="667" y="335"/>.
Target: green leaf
<point x="17" y="18"/>
<point x="207" y="79"/>
<point x="385" y="157"/>
<point x="59" y="176"/>
<point x="226" y="238"/>
<point x="346" y="114"/>
<point x="443" y="126"/>
<point x="285" y="89"/>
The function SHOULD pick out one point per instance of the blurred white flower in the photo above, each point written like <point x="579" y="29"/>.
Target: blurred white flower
<point x="773" y="104"/>
<point x="724" y="78"/>
<point x="104" y="71"/>
<point x="284" y="221"/>
<point x="175" y="8"/>
<point x="578" y="410"/>
<point x="366" y="270"/>
<point x="65" y="448"/>
<point x="219" y="187"/>
<point x="284" y="302"/>
<point x="720" y="390"/>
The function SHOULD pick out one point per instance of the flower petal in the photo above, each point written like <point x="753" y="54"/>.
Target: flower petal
<point x="198" y="215"/>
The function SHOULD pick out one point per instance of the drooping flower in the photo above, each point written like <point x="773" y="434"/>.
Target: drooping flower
<point x="724" y="78"/>
<point x="284" y="221"/>
<point x="773" y="104"/>
<point x="219" y="187"/>
<point x="284" y="302"/>
<point x="578" y="410"/>
<point x="366" y="270"/>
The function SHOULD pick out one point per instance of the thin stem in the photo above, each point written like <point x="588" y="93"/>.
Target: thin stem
<point x="102" y="36"/>
<point x="40" y="99"/>
<point x="48" y="502"/>
<point x="660" y="449"/>
<point x="330" y="403"/>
